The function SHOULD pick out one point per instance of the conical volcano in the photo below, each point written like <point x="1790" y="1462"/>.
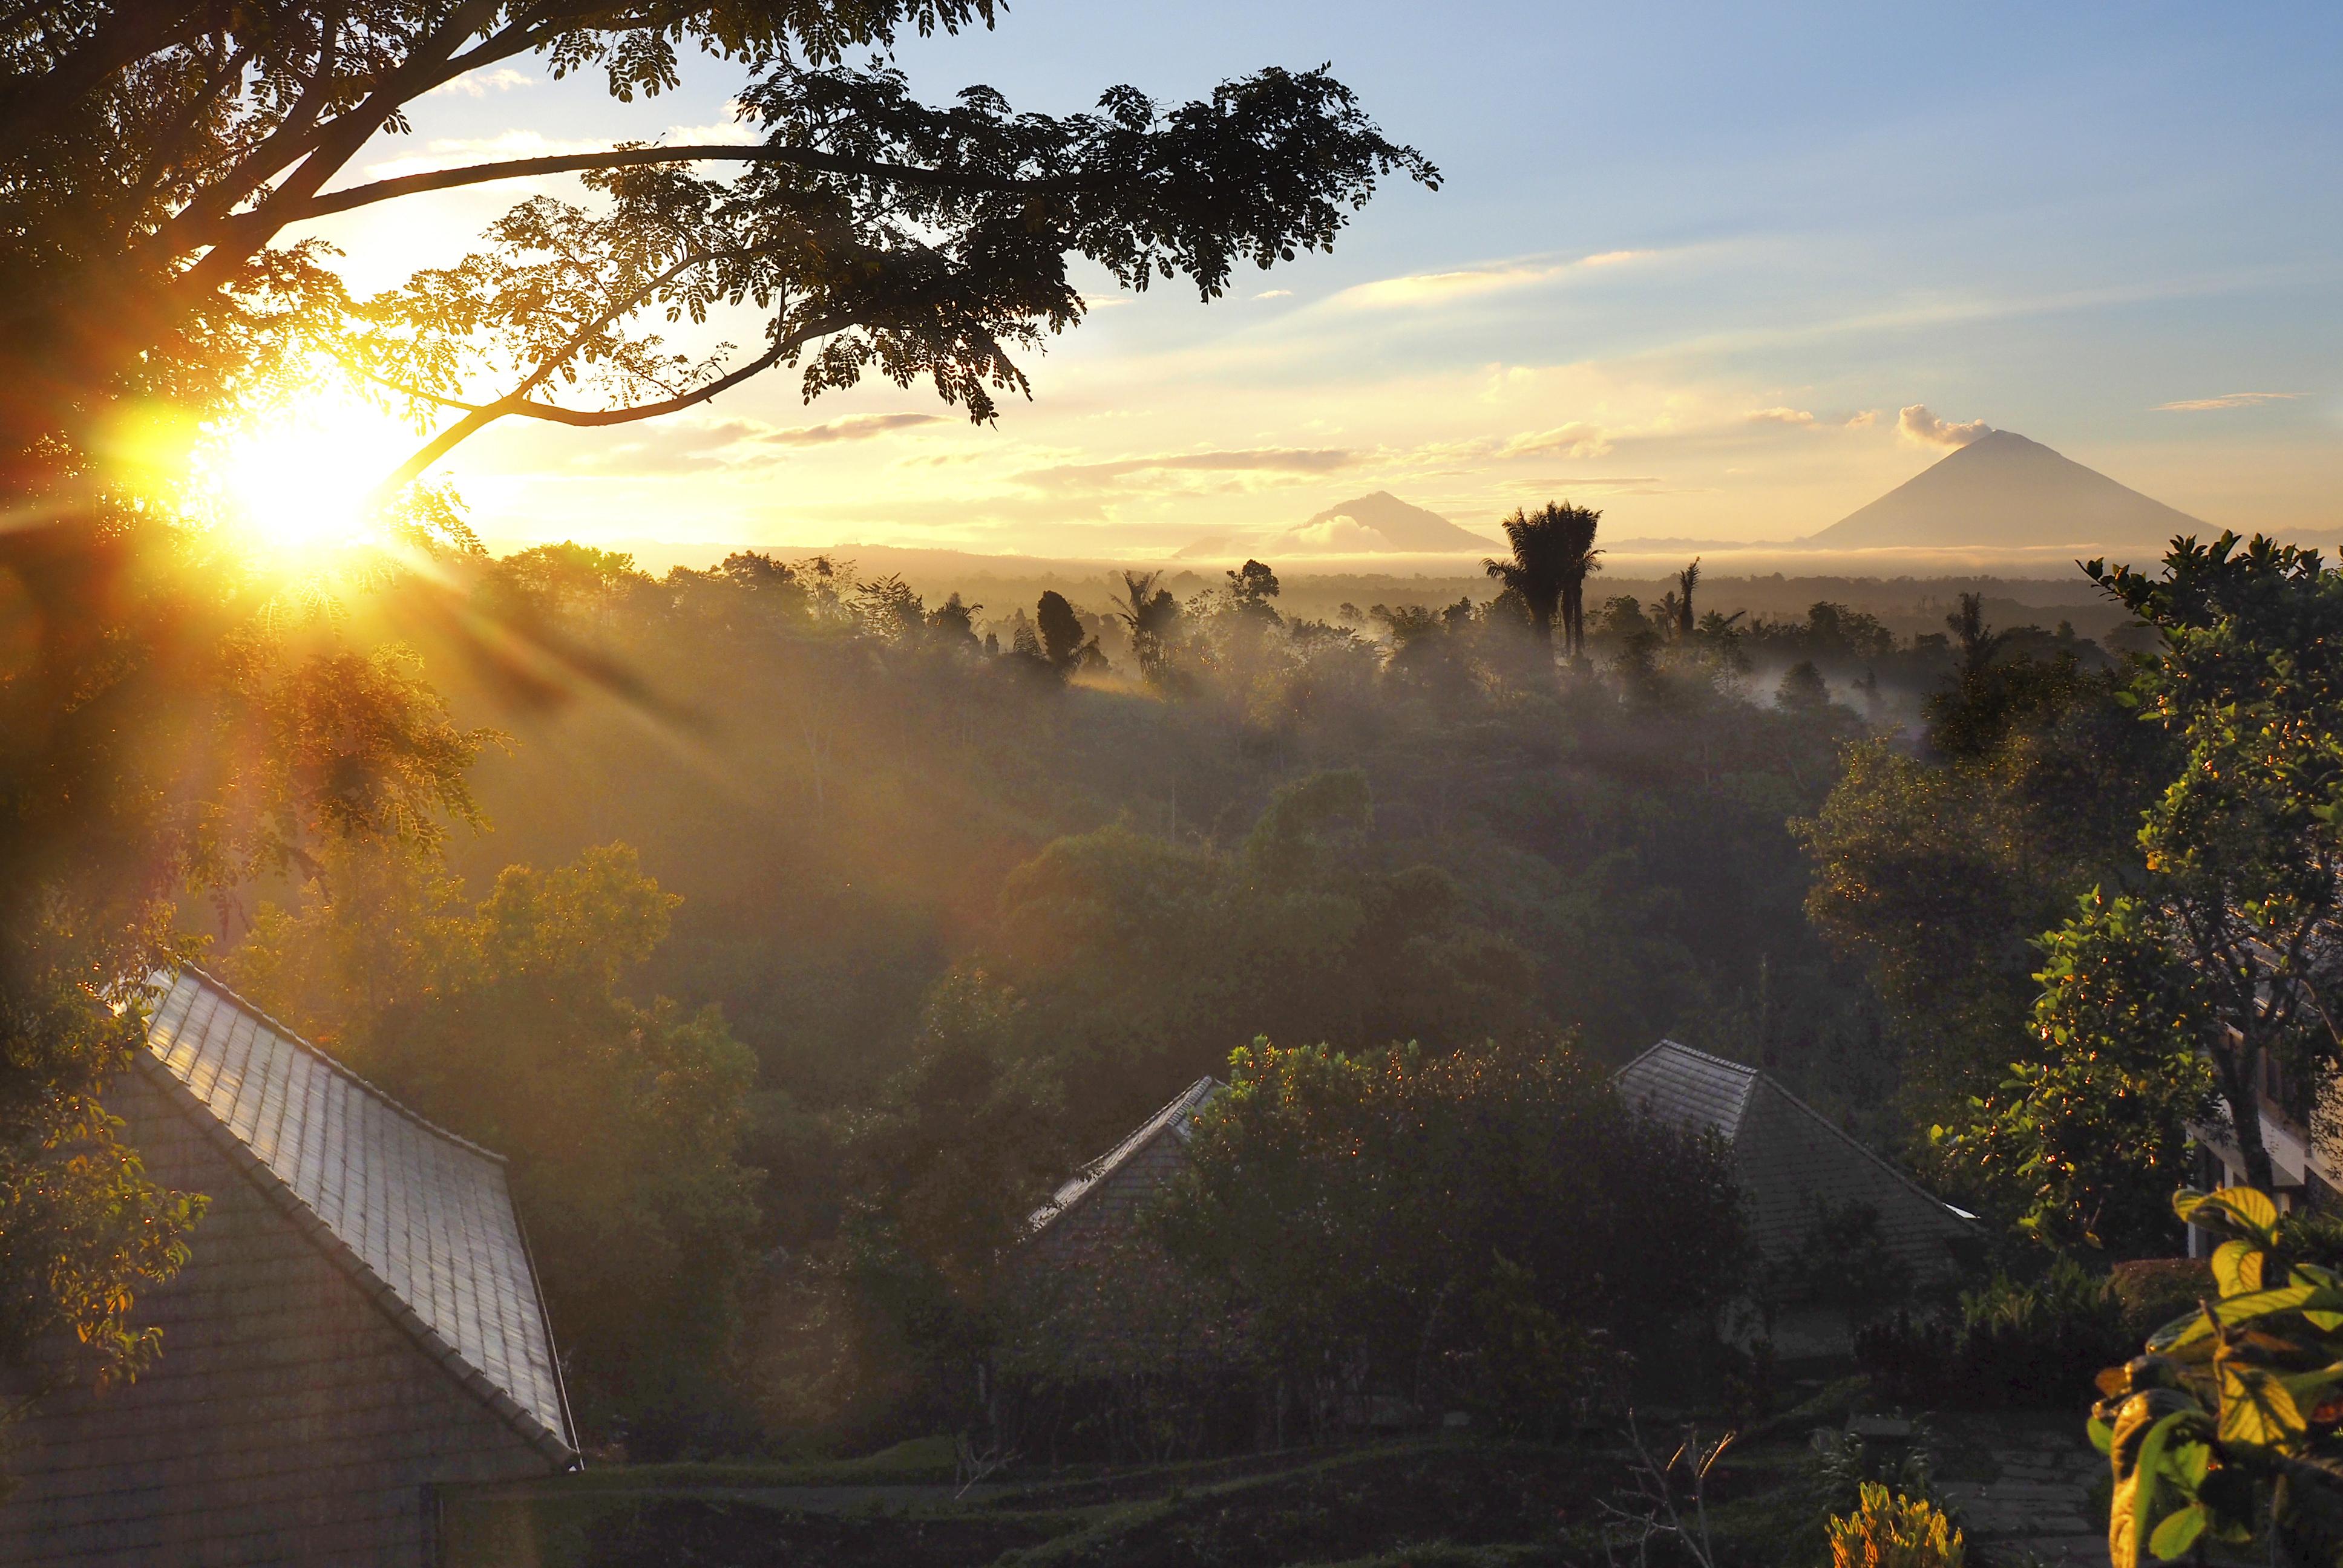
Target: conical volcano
<point x="2003" y="489"/>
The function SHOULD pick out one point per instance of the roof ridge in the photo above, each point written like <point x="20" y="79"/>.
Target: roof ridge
<point x="1086" y="1178"/>
<point x="295" y="1038"/>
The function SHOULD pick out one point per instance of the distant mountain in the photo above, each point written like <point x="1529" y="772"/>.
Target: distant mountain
<point x="1377" y="525"/>
<point x="2003" y="490"/>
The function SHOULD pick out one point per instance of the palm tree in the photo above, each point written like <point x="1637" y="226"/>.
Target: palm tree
<point x="1978" y="644"/>
<point x="1152" y="615"/>
<point x="1553" y="551"/>
<point x="1687" y="580"/>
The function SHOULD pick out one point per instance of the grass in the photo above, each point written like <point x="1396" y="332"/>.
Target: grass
<point x="1434" y="1502"/>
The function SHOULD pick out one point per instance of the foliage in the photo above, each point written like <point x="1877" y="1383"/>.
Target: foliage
<point x="2088" y="1144"/>
<point x="1891" y="1530"/>
<point x="2010" y="1343"/>
<point x="2244" y="847"/>
<point x="1552" y="553"/>
<point x="1940" y="869"/>
<point x="1384" y="1215"/>
<point x="1136" y="964"/>
<point x="504" y="1020"/>
<point x="1841" y="1262"/>
<point x="157" y="739"/>
<point x="2227" y="1424"/>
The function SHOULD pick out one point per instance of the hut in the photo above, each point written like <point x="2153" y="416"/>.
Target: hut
<point x="1099" y="1199"/>
<point x="1792" y="1166"/>
<point x="359" y="1323"/>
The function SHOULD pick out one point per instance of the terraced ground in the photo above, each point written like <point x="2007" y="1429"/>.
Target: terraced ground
<point x="1429" y="1502"/>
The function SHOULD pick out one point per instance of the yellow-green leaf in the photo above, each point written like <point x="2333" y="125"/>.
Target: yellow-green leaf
<point x="2245" y="1309"/>
<point x="2256" y="1409"/>
<point x="2178" y="1531"/>
<point x="2239" y="1210"/>
<point x="2237" y="1267"/>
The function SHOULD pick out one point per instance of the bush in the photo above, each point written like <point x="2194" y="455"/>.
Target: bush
<point x="1889" y="1529"/>
<point x="2012" y="1344"/>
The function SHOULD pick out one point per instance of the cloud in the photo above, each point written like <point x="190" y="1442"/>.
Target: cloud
<point x="853" y="427"/>
<point x="1863" y="421"/>
<point x="1424" y="288"/>
<point x="1575" y="439"/>
<point x="1779" y="417"/>
<point x="1261" y="460"/>
<point x="1916" y="425"/>
<point x="1274" y="294"/>
<point x="481" y="83"/>
<point x="2227" y="400"/>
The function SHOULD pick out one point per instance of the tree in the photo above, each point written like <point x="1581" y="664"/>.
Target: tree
<point x="1389" y="1217"/>
<point x="1152" y="616"/>
<point x="1687" y="580"/>
<point x="1064" y="642"/>
<point x="504" y="1020"/>
<point x="1979" y="643"/>
<point x="1553" y="551"/>
<point x="2090" y="1140"/>
<point x="1802" y="689"/>
<point x="152" y="160"/>
<point x="2244" y="847"/>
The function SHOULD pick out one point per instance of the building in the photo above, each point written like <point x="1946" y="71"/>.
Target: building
<point x="358" y="1324"/>
<point x="1791" y="1163"/>
<point x="1103" y="1195"/>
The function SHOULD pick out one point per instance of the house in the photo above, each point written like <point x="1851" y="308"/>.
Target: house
<point x="358" y="1324"/>
<point x="1790" y="1163"/>
<point x="1103" y="1194"/>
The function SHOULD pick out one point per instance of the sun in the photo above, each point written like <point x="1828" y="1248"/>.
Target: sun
<point x="301" y="484"/>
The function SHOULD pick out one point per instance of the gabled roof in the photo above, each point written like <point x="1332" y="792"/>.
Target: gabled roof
<point x="1686" y="1088"/>
<point x="1173" y="1118"/>
<point x="1787" y="1155"/>
<point x="421" y="1220"/>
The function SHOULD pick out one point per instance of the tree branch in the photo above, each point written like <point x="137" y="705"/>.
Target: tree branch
<point x="630" y="157"/>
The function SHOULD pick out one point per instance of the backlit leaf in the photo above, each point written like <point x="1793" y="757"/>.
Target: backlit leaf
<point x="2237" y="1267"/>
<point x="2256" y="1408"/>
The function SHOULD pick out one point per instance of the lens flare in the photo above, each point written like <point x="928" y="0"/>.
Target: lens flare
<point x="301" y="485"/>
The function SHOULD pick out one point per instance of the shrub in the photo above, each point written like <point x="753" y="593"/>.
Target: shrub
<point x="2013" y="1343"/>
<point x="1888" y="1530"/>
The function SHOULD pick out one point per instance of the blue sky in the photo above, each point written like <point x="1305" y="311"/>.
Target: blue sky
<point x="1689" y="262"/>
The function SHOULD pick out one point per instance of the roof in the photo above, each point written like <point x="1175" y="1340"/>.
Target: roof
<point x="1787" y="1155"/>
<point x="422" y="1220"/>
<point x="1174" y="1119"/>
<point x="1687" y="1087"/>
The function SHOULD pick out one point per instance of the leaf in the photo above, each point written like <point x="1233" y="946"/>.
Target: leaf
<point x="2325" y="1322"/>
<point x="2137" y="1450"/>
<point x="2256" y="1408"/>
<point x="2178" y="1531"/>
<point x="2237" y="1267"/>
<point x="2243" y="1212"/>
<point x="2245" y="1309"/>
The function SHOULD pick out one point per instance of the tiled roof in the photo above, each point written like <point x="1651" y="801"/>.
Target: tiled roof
<point x="421" y="1218"/>
<point x="1689" y="1089"/>
<point x="1787" y="1157"/>
<point x="1173" y="1118"/>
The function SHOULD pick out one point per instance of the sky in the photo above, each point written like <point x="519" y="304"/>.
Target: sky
<point x="1725" y="271"/>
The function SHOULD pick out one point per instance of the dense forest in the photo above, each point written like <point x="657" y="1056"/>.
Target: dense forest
<point x="874" y="917"/>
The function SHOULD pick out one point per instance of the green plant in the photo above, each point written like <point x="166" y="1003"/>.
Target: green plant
<point x="1889" y="1529"/>
<point x="2229" y="1420"/>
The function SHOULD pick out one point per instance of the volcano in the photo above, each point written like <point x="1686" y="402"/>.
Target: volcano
<point x="2003" y="489"/>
